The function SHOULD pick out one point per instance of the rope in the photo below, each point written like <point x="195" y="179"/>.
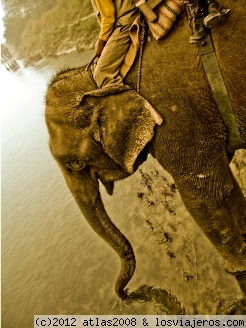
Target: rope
<point x="142" y="38"/>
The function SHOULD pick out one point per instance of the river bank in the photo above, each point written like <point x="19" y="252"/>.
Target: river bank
<point x="79" y="35"/>
<point x="62" y="29"/>
<point x="68" y="48"/>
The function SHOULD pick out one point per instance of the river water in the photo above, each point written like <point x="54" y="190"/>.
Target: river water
<point x="53" y="263"/>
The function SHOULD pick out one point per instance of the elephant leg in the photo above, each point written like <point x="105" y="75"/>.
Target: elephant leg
<point x="211" y="194"/>
<point x="237" y="206"/>
<point x="218" y="224"/>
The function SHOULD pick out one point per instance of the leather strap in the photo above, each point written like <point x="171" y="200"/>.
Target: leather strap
<point x="220" y="94"/>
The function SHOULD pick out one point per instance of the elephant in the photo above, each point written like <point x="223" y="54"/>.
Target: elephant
<point x="191" y="143"/>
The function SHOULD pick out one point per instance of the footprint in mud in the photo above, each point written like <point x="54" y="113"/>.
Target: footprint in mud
<point x="155" y="190"/>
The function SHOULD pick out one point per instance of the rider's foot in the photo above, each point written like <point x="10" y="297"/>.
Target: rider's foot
<point x="215" y="15"/>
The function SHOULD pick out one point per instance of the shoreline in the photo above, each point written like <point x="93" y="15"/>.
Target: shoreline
<point x="33" y="60"/>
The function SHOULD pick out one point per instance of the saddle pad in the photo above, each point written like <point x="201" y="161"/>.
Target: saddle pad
<point x="167" y="13"/>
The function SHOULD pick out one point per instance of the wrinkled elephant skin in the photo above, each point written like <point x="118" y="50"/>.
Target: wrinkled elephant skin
<point x="191" y="144"/>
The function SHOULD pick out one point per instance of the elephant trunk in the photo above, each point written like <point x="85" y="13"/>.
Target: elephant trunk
<point x="84" y="187"/>
<point x="104" y="227"/>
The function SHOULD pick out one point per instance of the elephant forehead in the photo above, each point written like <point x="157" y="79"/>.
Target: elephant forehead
<point x="66" y="140"/>
<point x="60" y="104"/>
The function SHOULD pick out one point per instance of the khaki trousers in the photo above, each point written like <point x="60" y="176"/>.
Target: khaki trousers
<point x="107" y="71"/>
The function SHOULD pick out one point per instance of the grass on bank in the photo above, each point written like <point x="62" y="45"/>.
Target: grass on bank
<point x="63" y="27"/>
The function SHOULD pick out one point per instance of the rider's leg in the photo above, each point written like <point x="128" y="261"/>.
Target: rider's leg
<point x="205" y="14"/>
<point x="200" y="10"/>
<point x="107" y="71"/>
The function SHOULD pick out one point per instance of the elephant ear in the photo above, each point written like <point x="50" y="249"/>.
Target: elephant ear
<point x="123" y="122"/>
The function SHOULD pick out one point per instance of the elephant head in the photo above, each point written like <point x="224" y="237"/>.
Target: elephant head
<point x="90" y="147"/>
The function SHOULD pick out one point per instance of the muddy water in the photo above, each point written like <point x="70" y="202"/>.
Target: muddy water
<point x="52" y="263"/>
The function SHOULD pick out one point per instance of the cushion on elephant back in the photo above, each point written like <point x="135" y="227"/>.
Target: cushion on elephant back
<point x="122" y="121"/>
<point x="167" y="12"/>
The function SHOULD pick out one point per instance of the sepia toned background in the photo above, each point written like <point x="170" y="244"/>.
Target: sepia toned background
<point x="52" y="262"/>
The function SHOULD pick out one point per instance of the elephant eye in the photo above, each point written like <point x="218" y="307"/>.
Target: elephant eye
<point x="75" y="165"/>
